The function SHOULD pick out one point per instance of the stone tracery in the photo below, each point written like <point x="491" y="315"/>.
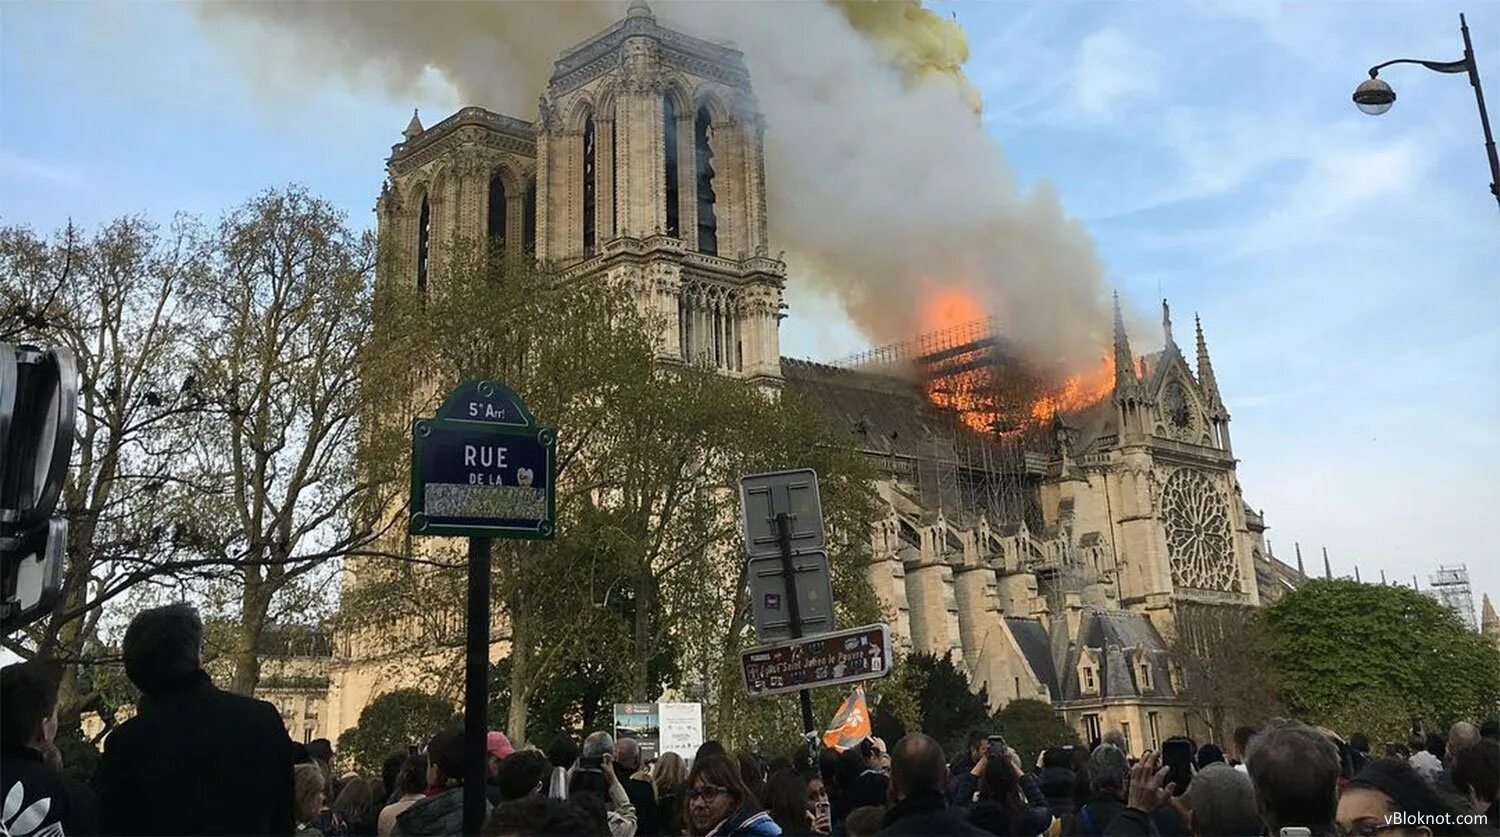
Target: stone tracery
<point x="1200" y="541"/>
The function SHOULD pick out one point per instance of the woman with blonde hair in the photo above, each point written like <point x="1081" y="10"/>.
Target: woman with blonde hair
<point x="308" y="794"/>
<point x="669" y="777"/>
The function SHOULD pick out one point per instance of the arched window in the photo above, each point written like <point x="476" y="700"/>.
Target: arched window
<point x="497" y="210"/>
<point x="669" y="140"/>
<point x="424" y="232"/>
<point x="588" y="186"/>
<point x="528" y="216"/>
<point x="614" y="178"/>
<point x="708" y="224"/>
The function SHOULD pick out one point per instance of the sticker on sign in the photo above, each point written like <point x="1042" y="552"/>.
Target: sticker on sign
<point x="823" y="660"/>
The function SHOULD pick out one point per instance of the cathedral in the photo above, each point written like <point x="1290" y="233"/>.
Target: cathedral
<point x="1051" y="568"/>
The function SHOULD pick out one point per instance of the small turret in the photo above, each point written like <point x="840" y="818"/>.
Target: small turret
<point x="1300" y="571"/>
<point x="1206" y="377"/>
<point x="1126" y="383"/>
<point x="1327" y="568"/>
<point x="413" y="128"/>
<point x="1166" y="327"/>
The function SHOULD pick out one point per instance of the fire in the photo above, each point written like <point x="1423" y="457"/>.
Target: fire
<point x="987" y="404"/>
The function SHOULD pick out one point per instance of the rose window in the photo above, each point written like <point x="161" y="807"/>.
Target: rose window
<point x="1199" y="538"/>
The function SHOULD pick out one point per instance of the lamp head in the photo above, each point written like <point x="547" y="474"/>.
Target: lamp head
<point x="1374" y="96"/>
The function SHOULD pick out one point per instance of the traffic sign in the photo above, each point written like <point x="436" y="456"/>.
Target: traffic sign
<point x="483" y="467"/>
<point x="765" y="496"/>
<point x="769" y="593"/>
<point x="825" y="660"/>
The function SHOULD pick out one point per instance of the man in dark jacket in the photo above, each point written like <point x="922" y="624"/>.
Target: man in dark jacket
<point x="919" y="775"/>
<point x="194" y="759"/>
<point x="37" y="799"/>
<point x="442" y="812"/>
<point x="1108" y="771"/>
<point x="627" y="761"/>
<point x="1056" y="779"/>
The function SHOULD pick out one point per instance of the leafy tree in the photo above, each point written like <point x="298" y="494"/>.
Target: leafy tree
<point x="1031" y="726"/>
<point x="1224" y="668"/>
<point x="1377" y="658"/>
<point x="392" y="722"/>
<point x="950" y="707"/>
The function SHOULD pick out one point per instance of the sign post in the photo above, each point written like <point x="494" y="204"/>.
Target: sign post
<point x="482" y="468"/>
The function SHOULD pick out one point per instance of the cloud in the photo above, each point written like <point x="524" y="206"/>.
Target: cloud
<point x="1112" y="72"/>
<point x="18" y="167"/>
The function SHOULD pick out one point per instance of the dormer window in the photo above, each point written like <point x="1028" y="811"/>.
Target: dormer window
<point x="1088" y="679"/>
<point x="1145" y="675"/>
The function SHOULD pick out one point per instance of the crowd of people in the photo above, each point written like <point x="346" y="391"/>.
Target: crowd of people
<point x="198" y="760"/>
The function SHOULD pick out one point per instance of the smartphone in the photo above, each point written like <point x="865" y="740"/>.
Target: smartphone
<point x="1296" y="831"/>
<point x="822" y="817"/>
<point x="997" y="746"/>
<point x="1177" y="754"/>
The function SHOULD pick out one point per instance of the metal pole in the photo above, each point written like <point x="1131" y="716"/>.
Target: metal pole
<point x="1484" y="117"/>
<point x="476" y="692"/>
<point x="794" y="607"/>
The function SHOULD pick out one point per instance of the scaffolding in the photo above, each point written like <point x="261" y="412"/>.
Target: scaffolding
<point x="1449" y="586"/>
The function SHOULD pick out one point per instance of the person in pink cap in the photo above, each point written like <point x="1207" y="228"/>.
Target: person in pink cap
<point x="497" y="748"/>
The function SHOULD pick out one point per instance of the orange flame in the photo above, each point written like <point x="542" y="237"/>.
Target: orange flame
<point x="971" y="393"/>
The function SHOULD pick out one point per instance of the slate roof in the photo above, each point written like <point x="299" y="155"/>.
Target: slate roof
<point x="1036" y="648"/>
<point x="1119" y="640"/>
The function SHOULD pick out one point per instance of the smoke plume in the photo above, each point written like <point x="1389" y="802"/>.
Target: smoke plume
<point x="883" y="188"/>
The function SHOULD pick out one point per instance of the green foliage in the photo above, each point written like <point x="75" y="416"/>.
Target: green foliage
<point x="1031" y="726"/>
<point x="950" y="708"/>
<point x="392" y="722"/>
<point x="1375" y="658"/>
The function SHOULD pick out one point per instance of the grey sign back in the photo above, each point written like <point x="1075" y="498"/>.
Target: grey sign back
<point x="763" y="496"/>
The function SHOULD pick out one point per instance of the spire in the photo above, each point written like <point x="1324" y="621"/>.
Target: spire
<point x="1206" y="373"/>
<point x="1166" y="325"/>
<point x="413" y="128"/>
<point x="1327" y="569"/>
<point x="1382" y="578"/>
<point x="1300" y="571"/>
<point x="1357" y="579"/>
<point x="1489" y="622"/>
<point x="1125" y="380"/>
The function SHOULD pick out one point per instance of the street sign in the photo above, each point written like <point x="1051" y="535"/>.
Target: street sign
<point x="37" y="409"/>
<point x="769" y="591"/>
<point x="34" y="568"/>
<point x="483" y="467"/>
<point x="793" y="493"/>
<point x="826" y="660"/>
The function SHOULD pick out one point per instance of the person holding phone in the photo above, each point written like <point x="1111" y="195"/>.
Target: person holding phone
<point x="1010" y="801"/>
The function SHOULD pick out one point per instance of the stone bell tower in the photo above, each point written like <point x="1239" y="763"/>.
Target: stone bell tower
<point x="651" y="171"/>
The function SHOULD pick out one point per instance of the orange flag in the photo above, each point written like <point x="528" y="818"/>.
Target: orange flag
<point x="851" y="724"/>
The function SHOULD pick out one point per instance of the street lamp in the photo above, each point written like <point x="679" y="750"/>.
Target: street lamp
<point x="1374" y="97"/>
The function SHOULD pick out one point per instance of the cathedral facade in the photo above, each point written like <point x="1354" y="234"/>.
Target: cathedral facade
<point x="1051" y="573"/>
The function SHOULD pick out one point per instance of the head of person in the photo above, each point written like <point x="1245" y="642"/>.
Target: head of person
<point x="786" y="800"/>
<point x="539" y="815"/>
<point x="708" y="748"/>
<point x="307" y="792"/>
<point x="1295" y="770"/>
<point x="1461" y="736"/>
<point x="851" y="765"/>
<point x="354" y="800"/>
<point x="496" y="750"/>
<point x="1388" y="790"/>
<point x="714" y="791"/>
<point x="1416" y="743"/>
<point x="1436" y="744"/>
<point x="817" y="791"/>
<point x="627" y="757"/>
<point x="1476" y="776"/>
<point x="563" y="751"/>
<point x="752" y="773"/>
<point x="523" y="774"/>
<point x="412" y="777"/>
<point x="1221" y="800"/>
<point x="976" y="742"/>
<point x="828" y="764"/>
<point x="865" y="821"/>
<point x="321" y="749"/>
<point x="998" y="784"/>
<point x="163" y="648"/>
<point x="445" y="758"/>
<point x="1108" y="771"/>
<point x="390" y="772"/>
<point x="918" y="767"/>
<point x="28" y="691"/>
<point x="1057" y="757"/>
<point x="668" y="774"/>
<point x="877" y="756"/>
<point x="595" y="747"/>
<point x="1242" y="736"/>
<point x="1208" y="754"/>
<point x="1114" y="738"/>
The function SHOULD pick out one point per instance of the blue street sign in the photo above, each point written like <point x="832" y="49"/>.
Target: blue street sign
<point x="483" y="468"/>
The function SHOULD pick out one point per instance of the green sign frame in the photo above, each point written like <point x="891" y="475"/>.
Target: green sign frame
<point x="483" y="412"/>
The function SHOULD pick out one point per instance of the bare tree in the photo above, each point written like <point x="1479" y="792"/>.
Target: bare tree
<point x="285" y="309"/>
<point x="1216" y="649"/>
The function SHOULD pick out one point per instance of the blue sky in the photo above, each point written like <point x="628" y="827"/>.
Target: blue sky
<point x="1347" y="268"/>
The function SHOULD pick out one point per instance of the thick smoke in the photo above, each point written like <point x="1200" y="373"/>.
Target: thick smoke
<point x="884" y="188"/>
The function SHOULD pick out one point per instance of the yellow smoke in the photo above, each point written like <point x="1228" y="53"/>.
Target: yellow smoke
<point x="922" y="44"/>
